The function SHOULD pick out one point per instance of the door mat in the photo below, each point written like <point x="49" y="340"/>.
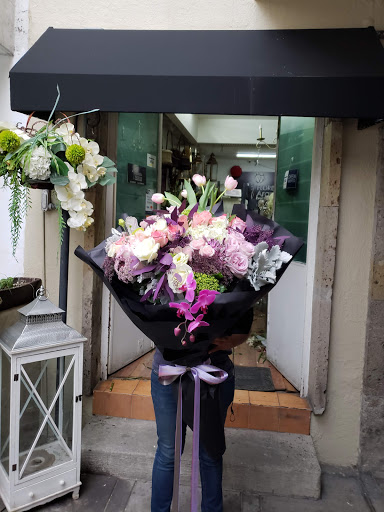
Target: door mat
<point x="253" y="378"/>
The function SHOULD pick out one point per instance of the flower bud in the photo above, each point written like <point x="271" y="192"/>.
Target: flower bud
<point x="184" y="193"/>
<point x="230" y="183"/>
<point x="177" y="331"/>
<point x="159" y="198"/>
<point x="192" y="338"/>
<point x="183" y="343"/>
<point x="199" y="180"/>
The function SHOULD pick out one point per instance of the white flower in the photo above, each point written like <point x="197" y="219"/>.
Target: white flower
<point x="79" y="220"/>
<point x="69" y="200"/>
<point x="36" y="164"/>
<point x="178" y="276"/>
<point x="131" y="224"/>
<point x="146" y="250"/>
<point x="77" y="180"/>
<point x="184" y="193"/>
<point x="180" y="259"/>
<point x="67" y="132"/>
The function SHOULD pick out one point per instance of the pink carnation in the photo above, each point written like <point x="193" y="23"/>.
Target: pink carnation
<point x="207" y="250"/>
<point x="197" y="244"/>
<point x="237" y="264"/>
<point x="174" y="231"/>
<point x="160" y="237"/>
<point x="201" y="219"/>
<point x="238" y="224"/>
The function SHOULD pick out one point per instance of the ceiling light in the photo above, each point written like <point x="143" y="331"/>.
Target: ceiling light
<point x="255" y="155"/>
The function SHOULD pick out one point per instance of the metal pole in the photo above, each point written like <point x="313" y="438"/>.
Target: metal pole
<point x="159" y="152"/>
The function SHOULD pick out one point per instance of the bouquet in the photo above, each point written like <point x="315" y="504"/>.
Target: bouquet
<point x="186" y="274"/>
<point x="54" y="156"/>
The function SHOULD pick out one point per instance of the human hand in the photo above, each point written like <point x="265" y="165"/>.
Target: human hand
<point x="228" y="342"/>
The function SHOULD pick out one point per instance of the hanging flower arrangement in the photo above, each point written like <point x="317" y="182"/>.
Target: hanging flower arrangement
<point x="57" y="157"/>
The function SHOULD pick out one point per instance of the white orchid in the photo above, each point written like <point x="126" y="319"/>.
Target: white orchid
<point x="77" y="180"/>
<point x="68" y="199"/>
<point x="79" y="220"/>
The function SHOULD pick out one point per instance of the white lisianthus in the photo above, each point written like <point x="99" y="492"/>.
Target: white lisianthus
<point x="36" y="164"/>
<point x="180" y="259"/>
<point x="146" y="250"/>
<point x="178" y="276"/>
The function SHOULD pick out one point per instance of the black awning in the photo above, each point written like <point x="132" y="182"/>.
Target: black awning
<point x="330" y="72"/>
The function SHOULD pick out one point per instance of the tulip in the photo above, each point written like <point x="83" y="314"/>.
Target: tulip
<point x="230" y="183"/>
<point x="199" y="180"/>
<point x="184" y="193"/>
<point x="158" y="198"/>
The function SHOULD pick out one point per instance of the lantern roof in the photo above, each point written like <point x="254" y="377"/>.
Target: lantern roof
<point x="40" y="326"/>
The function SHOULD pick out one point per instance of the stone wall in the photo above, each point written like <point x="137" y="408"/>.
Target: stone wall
<point x="372" y="405"/>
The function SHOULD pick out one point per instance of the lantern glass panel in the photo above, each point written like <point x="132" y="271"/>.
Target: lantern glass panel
<point x="46" y="414"/>
<point x="5" y="380"/>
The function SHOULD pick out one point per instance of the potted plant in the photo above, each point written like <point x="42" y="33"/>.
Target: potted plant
<point x="15" y="291"/>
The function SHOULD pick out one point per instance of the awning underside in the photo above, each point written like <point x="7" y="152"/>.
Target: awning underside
<point x="331" y="72"/>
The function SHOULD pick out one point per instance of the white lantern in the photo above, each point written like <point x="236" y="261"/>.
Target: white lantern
<point x="40" y="392"/>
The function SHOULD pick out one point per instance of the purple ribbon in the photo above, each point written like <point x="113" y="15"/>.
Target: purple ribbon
<point x="167" y="375"/>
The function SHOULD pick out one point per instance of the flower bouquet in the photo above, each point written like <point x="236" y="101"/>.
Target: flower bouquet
<point x="185" y="275"/>
<point x="56" y="157"/>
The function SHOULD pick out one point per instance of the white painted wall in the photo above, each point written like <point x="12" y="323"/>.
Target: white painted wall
<point x="7" y="23"/>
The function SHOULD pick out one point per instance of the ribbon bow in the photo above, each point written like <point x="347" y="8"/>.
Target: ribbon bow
<point x="167" y="375"/>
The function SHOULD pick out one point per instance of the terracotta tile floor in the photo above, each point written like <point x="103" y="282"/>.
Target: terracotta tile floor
<point x="127" y="394"/>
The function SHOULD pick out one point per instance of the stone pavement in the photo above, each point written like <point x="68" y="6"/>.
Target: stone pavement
<point x="100" y="493"/>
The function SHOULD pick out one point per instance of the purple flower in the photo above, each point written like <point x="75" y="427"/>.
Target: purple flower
<point x="198" y="322"/>
<point x="205" y="299"/>
<point x="182" y="309"/>
<point x="190" y="284"/>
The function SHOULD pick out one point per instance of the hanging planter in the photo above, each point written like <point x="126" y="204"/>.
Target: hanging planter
<point x="53" y="157"/>
<point x="17" y="291"/>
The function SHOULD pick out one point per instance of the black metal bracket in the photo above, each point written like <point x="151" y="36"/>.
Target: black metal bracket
<point x="362" y="124"/>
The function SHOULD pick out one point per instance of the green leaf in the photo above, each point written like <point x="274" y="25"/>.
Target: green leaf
<point x="57" y="179"/>
<point x="56" y="148"/>
<point x="191" y="196"/>
<point x="107" y="180"/>
<point x="107" y="162"/>
<point x="173" y="200"/>
<point x="213" y="196"/>
<point x="90" y="183"/>
<point x="59" y="166"/>
<point x="110" y="169"/>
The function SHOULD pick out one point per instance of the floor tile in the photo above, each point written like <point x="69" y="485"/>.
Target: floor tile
<point x="239" y="418"/>
<point x="140" y="499"/>
<point x="263" y="417"/>
<point x="294" y="421"/>
<point x="120" y="496"/>
<point x="277" y="378"/>
<point x="293" y="401"/>
<point x="288" y="386"/>
<point x="143" y="388"/>
<point x="112" y="404"/>
<point x="261" y="398"/>
<point x="124" y="386"/>
<point x="241" y="396"/>
<point x="142" y="408"/>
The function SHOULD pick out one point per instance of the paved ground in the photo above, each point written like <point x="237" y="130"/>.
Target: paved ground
<point x="101" y="493"/>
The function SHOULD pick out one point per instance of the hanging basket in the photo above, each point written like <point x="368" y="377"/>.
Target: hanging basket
<point x="23" y="291"/>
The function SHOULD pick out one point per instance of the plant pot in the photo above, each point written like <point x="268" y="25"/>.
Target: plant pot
<point x="23" y="291"/>
<point x="40" y="184"/>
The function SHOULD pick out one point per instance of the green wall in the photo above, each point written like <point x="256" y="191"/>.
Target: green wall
<point x="137" y="136"/>
<point x="294" y="152"/>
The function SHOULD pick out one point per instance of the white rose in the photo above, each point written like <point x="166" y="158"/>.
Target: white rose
<point x="180" y="259"/>
<point x="178" y="276"/>
<point x="146" y="250"/>
<point x="160" y="225"/>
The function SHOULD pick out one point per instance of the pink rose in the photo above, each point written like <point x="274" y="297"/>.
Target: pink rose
<point x="174" y="230"/>
<point x="188" y="251"/>
<point x="183" y="221"/>
<point x="197" y="244"/>
<point x="207" y="251"/>
<point x="231" y="244"/>
<point x="247" y="248"/>
<point x="144" y="224"/>
<point x="201" y="219"/>
<point x="237" y="263"/>
<point x="237" y="235"/>
<point x="160" y="237"/>
<point x="139" y="236"/>
<point x="238" y="224"/>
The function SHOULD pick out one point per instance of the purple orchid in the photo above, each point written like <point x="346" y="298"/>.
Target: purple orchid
<point x="206" y="297"/>
<point x="198" y="322"/>
<point x="190" y="284"/>
<point x="182" y="309"/>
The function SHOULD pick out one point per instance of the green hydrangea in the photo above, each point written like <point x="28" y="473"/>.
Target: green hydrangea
<point x="206" y="282"/>
<point x="9" y="141"/>
<point x="75" y="154"/>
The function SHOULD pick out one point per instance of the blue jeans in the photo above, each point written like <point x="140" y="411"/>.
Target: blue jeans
<point x="165" y="405"/>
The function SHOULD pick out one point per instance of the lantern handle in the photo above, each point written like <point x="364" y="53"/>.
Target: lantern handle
<point x="42" y="293"/>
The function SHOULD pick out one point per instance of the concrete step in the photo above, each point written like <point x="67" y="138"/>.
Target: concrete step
<point x="255" y="461"/>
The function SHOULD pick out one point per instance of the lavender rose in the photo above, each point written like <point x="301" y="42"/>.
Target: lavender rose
<point x="237" y="262"/>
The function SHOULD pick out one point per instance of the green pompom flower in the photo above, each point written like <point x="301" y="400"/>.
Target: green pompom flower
<point x="75" y="154"/>
<point x="9" y="141"/>
<point x="206" y="282"/>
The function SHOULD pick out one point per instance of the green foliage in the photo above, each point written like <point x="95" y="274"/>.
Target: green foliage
<point x="75" y="154"/>
<point x="6" y="283"/>
<point x="62" y="223"/>
<point x="206" y="282"/>
<point x="9" y="141"/>
<point x="173" y="200"/>
<point x="191" y="196"/>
